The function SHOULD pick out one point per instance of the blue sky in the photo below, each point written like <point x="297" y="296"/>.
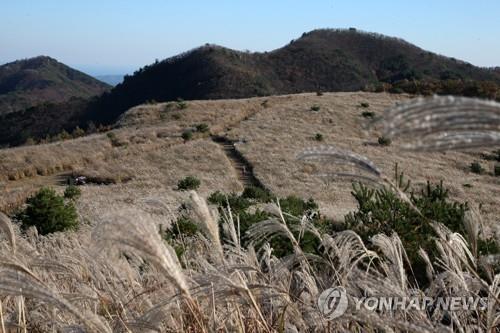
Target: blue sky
<point x="117" y="36"/>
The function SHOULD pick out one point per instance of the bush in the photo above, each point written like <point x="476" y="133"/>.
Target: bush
<point x="77" y="132"/>
<point x="187" y="135"/>
<point x="318" y="137"/>
<point x="181" y="104"/>
<point x="365" y="105"/>
<point x="319" y="93"/>
<point x="496" y="170"/>
<point x="291" y="206"/>
<point x="315" y="108"/>
<point x="188" y="183"/>
<point x="383" y="141"/>
<point x="368" y="114"/>
<point x="72" y="192"/>
<point x="494" y="156"/>
<point x="183" y="226"/>
<point x="257" y="193"/>
<point x="202" y="128"/>
<point x="115" y="142"/>
<point x="382" y="211"/>
<point x="49" y="213"/>
<point x="237" y="203"/>
<point x="475" y="167"/>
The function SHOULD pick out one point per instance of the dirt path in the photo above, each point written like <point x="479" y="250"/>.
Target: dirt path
<point x="243" y="168"/>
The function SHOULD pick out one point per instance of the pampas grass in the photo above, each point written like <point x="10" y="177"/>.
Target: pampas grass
<point x="121" y="276"/>
<point x="6" y="228"/>
<point x="136" y="284"/>
<point x="443" y="123"/>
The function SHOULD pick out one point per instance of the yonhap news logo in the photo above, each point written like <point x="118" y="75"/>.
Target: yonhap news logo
<point x="333" y="303"/>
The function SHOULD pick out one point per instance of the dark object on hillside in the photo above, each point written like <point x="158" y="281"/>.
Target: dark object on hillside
<point x="77" y="180"/>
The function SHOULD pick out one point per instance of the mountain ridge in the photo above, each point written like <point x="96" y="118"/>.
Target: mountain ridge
<point x="320" y="60"/>
<point x="325" y="59"/>
<point x="28" y="82"/>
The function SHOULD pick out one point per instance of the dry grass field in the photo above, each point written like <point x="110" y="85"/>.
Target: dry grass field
<point x="67" y="281"/>
<point x="147" y="151"/>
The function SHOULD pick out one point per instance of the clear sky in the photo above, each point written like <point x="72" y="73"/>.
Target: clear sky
<point x="119" y="36"/>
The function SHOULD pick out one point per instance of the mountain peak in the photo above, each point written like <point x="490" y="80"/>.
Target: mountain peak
<point x="28" y="82"/>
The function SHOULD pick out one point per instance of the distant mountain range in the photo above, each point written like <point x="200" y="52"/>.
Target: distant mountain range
<point x="321" y="60"/>
<point x="112" y="80"/>
<point x="30" y="82"/>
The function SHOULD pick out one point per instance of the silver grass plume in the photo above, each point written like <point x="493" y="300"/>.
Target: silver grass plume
<point x="6" y="228"/>
<point x="17" y="282"/>
<point x="130" y="231"/>
<point x="393" y="250"/>
<point x="340" y="156"/>
<point x="443" y="123"/>
<point x="206" y="220"/>
<point x="361" y="163"/>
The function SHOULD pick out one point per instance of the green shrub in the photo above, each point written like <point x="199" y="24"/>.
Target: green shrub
<point x="72" y="192"/>
<point x="291" y="206"/>
<point x="169" y="106"/>
<point x="187" y="135"/>
<point x="496" y="170"/>
<point x="202" y="128"/>
<point x="188" y="183"/>
<point x="488" y="246"/>
<point x="257" y="193"/>
<point x="237" y="203"/>
<point x="183" y="226"/>
<point x="319" y="137"/>
<point x="382" y="211"/>
<point x="297" y="206"/>
<point x="475" y="167"/>
<point x="77" y="132"/>
<point x="176" y="116"/>
<point x="383" y="141"/>
<point x="368" y="114"/>
<point x="181" y="104"/>
<point x="115" y="142"/>
<point x="315" y="108"/>
<point x="396" y="90"/>
<point x="48" y="212"/>
<point x="495" y="156"/>
<point x="365" y="105"/>
<point x="64" y="135"/>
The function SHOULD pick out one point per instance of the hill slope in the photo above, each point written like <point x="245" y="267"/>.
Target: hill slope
<point x="26" y="83"/>
<point x="327" y="60"/>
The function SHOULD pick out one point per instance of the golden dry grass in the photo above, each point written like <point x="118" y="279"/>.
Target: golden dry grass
<point x="88" y="282"/>
<point x="271" y="140"/>
<point x="270" y="133"/>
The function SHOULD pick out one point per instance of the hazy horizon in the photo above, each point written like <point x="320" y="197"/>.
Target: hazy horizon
<point x="118" y="37"/>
